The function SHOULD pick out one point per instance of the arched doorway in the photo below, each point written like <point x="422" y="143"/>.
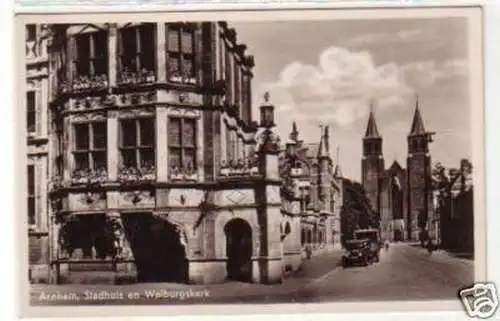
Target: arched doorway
<point x="158" y="252"/>
<point x="398" y="235"/>
<point x="239" y="250"/>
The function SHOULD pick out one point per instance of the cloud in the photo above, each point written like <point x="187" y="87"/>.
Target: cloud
<point x="429" y="72"/>
<point x="386" y="38"/>
<point x="338" y="89"/>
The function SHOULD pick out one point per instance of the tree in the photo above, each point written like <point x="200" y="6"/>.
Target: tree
<point x="356" y="210"/>
<point x="444" y="181"/>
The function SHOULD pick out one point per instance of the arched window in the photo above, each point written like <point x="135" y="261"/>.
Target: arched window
<point x="302" y="236"/>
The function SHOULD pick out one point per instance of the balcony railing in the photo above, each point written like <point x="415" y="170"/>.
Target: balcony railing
<point x="178" y="78"/>
<point x="242" y="167"/>
<point x="137" y="175"/>
<point x="188" y="173"/>
<point x="136" y="78"/>
<point x="82" y="83"/>
<point x="89" y="176"/>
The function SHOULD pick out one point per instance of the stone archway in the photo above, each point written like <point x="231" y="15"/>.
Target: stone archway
<point x="158" y="249"/>
<point x="239" y="250"/>
<point x="398" y="235"/>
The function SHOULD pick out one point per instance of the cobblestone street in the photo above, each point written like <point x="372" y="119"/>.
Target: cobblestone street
<point x="405" y="272"/>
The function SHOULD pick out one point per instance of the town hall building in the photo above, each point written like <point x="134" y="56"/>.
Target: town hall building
<point x="153" y="168"/>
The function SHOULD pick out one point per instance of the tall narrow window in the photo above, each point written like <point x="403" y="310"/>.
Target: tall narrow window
<point x="181" y="53"/>
<point x="138" y="52"/>
<point x="138" y="143"/>
<point x="31" y="111"/>
<point x="229" y="75"/>
<point x="92" y="55"/>
<point x="90" y="146"/>
<point x="31" y="32"/>
<point x="182" y="144"/>
<point x="31" y="195"/>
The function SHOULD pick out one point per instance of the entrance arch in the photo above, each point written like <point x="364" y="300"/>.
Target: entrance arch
<point x="158" y="251"/>
<point x="239" y="250"/>
<point x="398" y="235"/>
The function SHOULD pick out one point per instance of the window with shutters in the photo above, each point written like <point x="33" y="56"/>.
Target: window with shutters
<point x="137" y="143"/>
<point x="31" y="195"/>
<point x="182" y="147"/>
<point x="89" y="152"/>
<point x="31" y="111"/>
<point x="137" y="54"/>
<point x="181" y="64"/>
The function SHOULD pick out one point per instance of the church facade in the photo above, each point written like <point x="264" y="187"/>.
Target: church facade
<point x="402" y="196"/>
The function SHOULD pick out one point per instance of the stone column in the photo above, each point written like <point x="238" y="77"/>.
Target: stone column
<point x="44" y="99"/>
<point x="161" y="59"/>
<point x="126" y="271"/>
<point x="200" y="143"/>
<point x="112" y="141"/>
<point x="268" y="268"/>
<point x="223" y="139"/>
<point x="112" y="54"/>
<point x="68" y="147"/>
<point x="162" y="170"/>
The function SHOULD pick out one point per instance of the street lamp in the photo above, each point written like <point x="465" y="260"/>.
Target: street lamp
<point x="267" y="113"/>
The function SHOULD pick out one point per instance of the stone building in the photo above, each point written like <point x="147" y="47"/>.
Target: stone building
<point x="401" y="196"/>
<point x="157" y="170"/>
<point x="36" y="102"/>
<point x="311" y="192"/>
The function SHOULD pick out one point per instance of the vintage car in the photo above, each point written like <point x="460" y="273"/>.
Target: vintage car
<point x="357" y="252"/>
<point x="374" y="239"/>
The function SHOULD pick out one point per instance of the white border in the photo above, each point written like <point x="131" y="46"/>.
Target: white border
<point x="492" y="73"/>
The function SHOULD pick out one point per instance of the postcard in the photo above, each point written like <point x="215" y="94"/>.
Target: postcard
<point x="173" y="162"/>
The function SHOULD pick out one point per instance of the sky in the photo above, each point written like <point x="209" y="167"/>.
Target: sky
<point x="327" y="72"/>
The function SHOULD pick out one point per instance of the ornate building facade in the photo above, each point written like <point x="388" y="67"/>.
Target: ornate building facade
<point x="311" y="192"/>
<point x="157" y="170"/>
<point x="402" y="197"/>
<point x="36" y="102"/>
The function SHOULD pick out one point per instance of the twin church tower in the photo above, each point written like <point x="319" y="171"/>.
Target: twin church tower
<point x="402" y="197"/>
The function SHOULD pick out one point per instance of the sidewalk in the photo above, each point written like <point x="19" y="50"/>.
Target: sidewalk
<point x="311" y="270"/>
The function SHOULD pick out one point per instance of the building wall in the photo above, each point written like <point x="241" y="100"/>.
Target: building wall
<point x="190" y="188"/>
<point x="36" y="102"/>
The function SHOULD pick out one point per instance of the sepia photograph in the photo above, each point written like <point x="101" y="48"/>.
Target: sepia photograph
<point x="256" y="158"/>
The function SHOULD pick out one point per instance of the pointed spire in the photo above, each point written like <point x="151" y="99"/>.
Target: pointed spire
<point x="338" y="171"/>
<point x="417" y="126"/>
<point x="327" y="139"/>
<point x="294" y="135"/>
<point x="371" y="127"/>
<point x="322" y="150"/>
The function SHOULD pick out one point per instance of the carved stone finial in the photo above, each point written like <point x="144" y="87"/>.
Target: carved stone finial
<point x="267" y="96"/>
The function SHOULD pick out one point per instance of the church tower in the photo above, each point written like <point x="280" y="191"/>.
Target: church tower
<point x="419" y="178"/>
<point x="372" y="164"/>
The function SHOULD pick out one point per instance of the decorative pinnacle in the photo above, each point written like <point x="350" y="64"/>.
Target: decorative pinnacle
<point x="267" y="96"/>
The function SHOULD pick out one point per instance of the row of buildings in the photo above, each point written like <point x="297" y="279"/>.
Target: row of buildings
<point x="144" y="162"/>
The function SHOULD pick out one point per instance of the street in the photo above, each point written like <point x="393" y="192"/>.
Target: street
<point x="405" y="272"/>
